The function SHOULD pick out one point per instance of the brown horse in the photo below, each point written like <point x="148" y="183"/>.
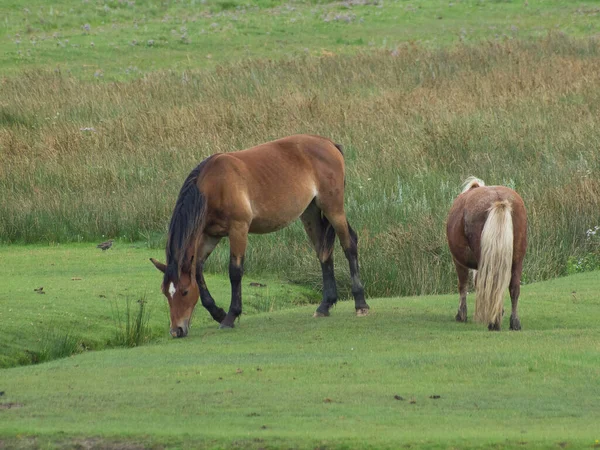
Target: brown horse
<point x="487" y="232"/>
<point x="258" y="190"/>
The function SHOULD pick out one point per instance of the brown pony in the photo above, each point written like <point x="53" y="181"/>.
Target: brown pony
<point x="258" y="190"/>
<point x="487" y="232"/>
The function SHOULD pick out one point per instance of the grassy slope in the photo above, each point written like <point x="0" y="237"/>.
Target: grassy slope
<point x="286" y="379"/>
<point x="203" y="34"/>
<point x="86" y="308"/>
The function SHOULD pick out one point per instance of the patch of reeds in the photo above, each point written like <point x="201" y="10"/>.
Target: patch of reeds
<point x="81" y="160"/>
<point x="56" y="344"/>
<point x="132" y="324"/>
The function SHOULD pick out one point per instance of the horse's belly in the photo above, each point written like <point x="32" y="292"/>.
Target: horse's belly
<point x="273" y="219"/>
<point x="263" y="226"/>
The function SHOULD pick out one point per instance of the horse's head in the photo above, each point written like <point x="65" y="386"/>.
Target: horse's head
<point x="182" y="294"/>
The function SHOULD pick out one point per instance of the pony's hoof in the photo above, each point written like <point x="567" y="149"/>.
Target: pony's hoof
<point x="225" y="326"/>
<point x="362" y="312"/>
<point x="460" y="318"/>
<point x="320" y="314"/>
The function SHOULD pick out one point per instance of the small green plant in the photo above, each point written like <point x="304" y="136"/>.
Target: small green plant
<point x="132" y="327"/>
<point x="56" y="344"/>
<point x="266" y="303"/>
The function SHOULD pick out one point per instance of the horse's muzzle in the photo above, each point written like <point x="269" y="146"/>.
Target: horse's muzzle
<point x="178" y="332"/>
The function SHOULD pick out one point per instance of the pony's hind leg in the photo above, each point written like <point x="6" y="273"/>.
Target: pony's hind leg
<point x="349" y="241"/>
<point x="463" y="281"/>
<point x="322" y="237"/>
<point x="205" y="247"/>
<point x="515" y="291"/>
<point x="238" y="240"/>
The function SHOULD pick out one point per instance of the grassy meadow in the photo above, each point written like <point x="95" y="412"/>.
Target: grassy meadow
<point x="407" y="376"/>
<point x="107" y="105"/>
<point x="127" y="39"/>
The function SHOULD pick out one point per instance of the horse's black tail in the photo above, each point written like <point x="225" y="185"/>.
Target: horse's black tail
<point x="341" y="149"/>
<point x="353" y="236"/>
<point x="328" y="233"/>
<point x="187" y="221"/>
<point x="327" y="240"/>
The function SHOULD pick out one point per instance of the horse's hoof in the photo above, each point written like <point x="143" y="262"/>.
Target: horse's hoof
<point x="515" y="324"/>
<point x="320" y="314"/>
<point x="362" y="312"/>
<point x="225" y="326"/>
<point x="460" y="318"/>
<point x="220" y="315"/>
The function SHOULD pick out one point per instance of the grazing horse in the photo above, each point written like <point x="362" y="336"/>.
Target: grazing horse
<point x="258" y="190"/>
<point x="487" y="233"/>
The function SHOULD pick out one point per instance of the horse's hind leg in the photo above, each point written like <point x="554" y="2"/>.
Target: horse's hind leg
<point x="238" y="240"/>
<point x="515" y="290"/>
<point x="322" y="236"/>
<point x="463" y="281"/>
<point x="349" y="241"/>
<point x="205" y="247"/>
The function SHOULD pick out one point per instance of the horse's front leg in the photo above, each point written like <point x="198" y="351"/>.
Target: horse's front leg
<point x="207" y="301"/>
<point x="205" y="247"/>
<point x="238" y="240"/>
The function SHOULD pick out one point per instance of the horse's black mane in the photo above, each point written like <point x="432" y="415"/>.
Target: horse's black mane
<point x="187" y="217"/>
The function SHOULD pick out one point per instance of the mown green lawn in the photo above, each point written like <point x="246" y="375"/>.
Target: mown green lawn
<point x="112" y="39"/>
<point x="86" y="291"/>
<point x="284" y="379"/>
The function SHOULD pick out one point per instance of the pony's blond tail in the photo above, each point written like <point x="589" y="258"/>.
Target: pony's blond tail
<point x="470" y="183"/>
<point x="495" y="263"/>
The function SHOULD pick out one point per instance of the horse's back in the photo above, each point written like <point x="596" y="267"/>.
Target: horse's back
<point x="271" y="184"/>
<point x="293" y="149"/>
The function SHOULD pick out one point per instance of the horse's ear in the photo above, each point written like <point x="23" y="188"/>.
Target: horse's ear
<point x="160" y="266"/>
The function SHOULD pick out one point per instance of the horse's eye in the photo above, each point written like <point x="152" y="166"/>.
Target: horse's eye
<point x="184" y="293"/>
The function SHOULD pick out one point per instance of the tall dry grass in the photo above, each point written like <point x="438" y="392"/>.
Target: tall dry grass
<point x="81" y="161"/>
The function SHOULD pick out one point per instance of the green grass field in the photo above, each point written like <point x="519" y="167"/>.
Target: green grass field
<point x="105" y="107"/>
<point x="112" y="39"/>
<point x="284" y="379"/>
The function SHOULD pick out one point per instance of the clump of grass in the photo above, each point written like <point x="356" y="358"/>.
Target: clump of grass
<point x="132" y="325"/>
<point x="56" y="344"/>
<point x="265" y="303"/>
